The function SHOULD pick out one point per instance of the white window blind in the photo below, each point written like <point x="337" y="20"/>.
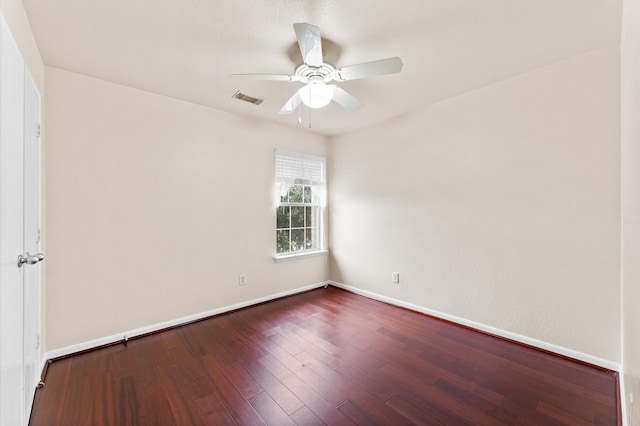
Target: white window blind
<point x="298" y="168"/>
<point x="294" y="165"/>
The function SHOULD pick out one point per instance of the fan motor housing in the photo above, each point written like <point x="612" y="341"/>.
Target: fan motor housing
<point x="306" y="74"/>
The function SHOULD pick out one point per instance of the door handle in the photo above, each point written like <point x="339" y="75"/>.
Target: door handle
<point x="30" y="259"/>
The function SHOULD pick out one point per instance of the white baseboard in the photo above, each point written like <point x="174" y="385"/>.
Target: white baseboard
<point x="623" y="401"/>
<point x="68" y="350"/>
<point x="487" y="329"/>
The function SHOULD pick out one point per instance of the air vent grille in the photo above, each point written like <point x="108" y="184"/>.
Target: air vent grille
<point x="247" y="98"/>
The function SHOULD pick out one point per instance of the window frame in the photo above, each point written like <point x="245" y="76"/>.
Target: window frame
<point x="304" y="171"/>
<point x="311" y="217"/>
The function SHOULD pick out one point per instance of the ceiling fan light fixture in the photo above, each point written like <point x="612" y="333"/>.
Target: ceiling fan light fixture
<point x="315" y="74"/>
<point x="316" y="94"/>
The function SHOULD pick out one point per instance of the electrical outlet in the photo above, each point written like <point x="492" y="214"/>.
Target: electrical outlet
<point x="395" y="277"/>
<point x="242" y="279"/>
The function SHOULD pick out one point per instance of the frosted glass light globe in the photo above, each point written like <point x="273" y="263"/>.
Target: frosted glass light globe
<point x="316" y="94"/>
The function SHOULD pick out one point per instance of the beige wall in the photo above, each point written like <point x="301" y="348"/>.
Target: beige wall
<point x="500" y="206"/>
<point x="154" y="207"/>
<point x="16" y="18"/>
<point x="631" y="203"/>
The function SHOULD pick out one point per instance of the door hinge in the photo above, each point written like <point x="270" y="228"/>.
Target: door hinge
<point x="38" y="130"/>
<point x="38" y="341"/>
<point x="38" y="236"/>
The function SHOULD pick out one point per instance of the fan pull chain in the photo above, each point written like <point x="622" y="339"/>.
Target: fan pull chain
<point x="299" y="114"/>
<point x="309" y="117"/>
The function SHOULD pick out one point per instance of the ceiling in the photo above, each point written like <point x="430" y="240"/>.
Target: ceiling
<point x="186" y="49"/>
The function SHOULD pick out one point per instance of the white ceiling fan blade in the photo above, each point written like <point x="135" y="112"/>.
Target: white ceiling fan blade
<point x="344" y="99"/>
<point x="273" y="77"/>
<point x="369" y="69"/>
<point x="291" y="104"/>
<point x="310" y="43"/>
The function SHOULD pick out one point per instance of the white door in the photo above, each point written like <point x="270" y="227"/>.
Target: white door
<point x="12" y="405"/>
<point x="18" y="158"/>
<point x="31" y="278"/>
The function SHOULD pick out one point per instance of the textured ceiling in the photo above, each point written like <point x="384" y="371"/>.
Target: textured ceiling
<point x="186" y="49"/>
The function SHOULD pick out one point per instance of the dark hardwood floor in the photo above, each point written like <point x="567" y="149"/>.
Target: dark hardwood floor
<point x="323" y="357"/>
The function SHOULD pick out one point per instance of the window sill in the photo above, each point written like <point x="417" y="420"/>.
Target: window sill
<point x="294" y="256"/>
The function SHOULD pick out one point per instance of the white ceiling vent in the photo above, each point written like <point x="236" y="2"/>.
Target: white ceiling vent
<point x="247" y="98"/>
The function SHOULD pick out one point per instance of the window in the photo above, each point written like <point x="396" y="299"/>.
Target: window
<point x="300" y="193"/>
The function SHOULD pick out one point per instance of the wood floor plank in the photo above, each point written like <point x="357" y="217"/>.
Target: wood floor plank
<point x="332" y="392"/>
<point x="77" y="397"/>
<point x="370" y="381"/>
<point x="105" y="406"/>
<point x="281" y="354"/>
<point x="240" y="408"/>
<point x="412" y="413"/>
<point x="377" y="409"/>
<point x="323" y="357"/>
<point x="128" y="411"/>
<point x="414" y="385"/>
<point x="269" y="410"/>
<point x="180" y="403"/>
<point x="157" y="408"/>
<point x="283" y="396"/>
<point x="320" y="407"/>
<point x="242" y="380"/>
<point x="275" y="367"/>
<point x="563" y="416"/>
<point x="493" y="409"/>
<point x="305" y="417"/>
<point x="50" y="401"/>
<point x="356" y="413"/>
<point x="213" y="410"/>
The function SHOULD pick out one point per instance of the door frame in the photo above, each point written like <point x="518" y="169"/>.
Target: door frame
<point x="32" y="275"/>
<point x="16" y="389"/>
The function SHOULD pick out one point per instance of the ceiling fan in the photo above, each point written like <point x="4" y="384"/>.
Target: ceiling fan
<point x="315" y="74"/>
